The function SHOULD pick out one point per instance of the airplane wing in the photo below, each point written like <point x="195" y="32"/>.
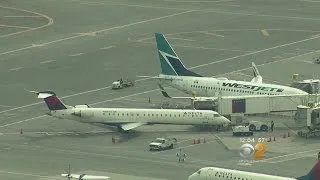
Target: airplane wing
<point x="257" y="78"/>
<point x="152" y="77"/>
<point x="130" y="126"/>
<point x="165" y="94"/>
<point x="84" y="176"/>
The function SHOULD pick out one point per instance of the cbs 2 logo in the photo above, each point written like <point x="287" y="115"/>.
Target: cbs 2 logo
<point x="247" y="151"/>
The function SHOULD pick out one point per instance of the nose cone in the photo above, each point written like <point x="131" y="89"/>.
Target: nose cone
<point x="225" y="120"/>
<point x="192" y="177"/>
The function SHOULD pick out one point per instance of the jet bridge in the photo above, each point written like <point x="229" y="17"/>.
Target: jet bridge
<point x="255" y="104"/>
<point x="309" y="118"/>
<point x="311" y="86"/>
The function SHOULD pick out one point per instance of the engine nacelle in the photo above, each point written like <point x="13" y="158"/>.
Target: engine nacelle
<point x="82" y="106"/>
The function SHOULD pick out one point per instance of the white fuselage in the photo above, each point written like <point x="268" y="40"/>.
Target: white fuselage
<point x="213" y="173"/>
<point x="147" y="116"/>
<point x="210" y="87"/>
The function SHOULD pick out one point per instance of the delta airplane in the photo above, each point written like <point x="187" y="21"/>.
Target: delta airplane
<point x="176" y="75"/>
<point x="129" y="118"/>
<point x="214" y="173"/>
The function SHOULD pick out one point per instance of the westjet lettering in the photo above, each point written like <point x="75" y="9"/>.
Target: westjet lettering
<point x="254" y="88"/>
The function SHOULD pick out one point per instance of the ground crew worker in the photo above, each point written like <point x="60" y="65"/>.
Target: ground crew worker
<point x="318" y="156"/>
<point x="272" y="124"/>
<point x="182" y="156"/>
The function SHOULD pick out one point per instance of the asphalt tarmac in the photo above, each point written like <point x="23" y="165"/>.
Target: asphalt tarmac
<point x="77" y="48"/>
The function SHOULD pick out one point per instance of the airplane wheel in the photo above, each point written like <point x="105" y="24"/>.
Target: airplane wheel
<point x="252" y="127"/>
<point x="264" y="128"/>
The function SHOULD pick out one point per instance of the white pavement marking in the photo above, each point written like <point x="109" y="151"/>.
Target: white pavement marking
<point x="276" y="61"/>
<point x="45" y="62"/>
<point x="213" y="34"/>
<point x="188" y="146"/>
<point x="309" y="62"/>
<point x="77" y="54"/>
<point x="198" y="1"/>
<point x="198" y="47"/>
<point x="206" y="10"/>
<point x="1" y="105"/>
<point x="18" y="122"/>
<point x="100" y="102"/>
<point x="21" y="16"/>
<point x="256" y="52"/>
<point x="288" y="155"/>
<point x="11" y="26"/>
<point x="223" y="60"/>
<point x="107" y="47"/>
<point x="182" y="39"/>
<point x="99" y="31"/>
<point x="15" y="69"/>
<point x="50" y="21"/>
<point x="28" y="174"/>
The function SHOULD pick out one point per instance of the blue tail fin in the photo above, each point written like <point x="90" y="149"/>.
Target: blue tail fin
<point x="169" y="60"/>
<point x="52" y="101"/>
<point x="314" y="174"/>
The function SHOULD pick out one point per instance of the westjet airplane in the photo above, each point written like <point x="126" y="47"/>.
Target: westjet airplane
<point x="176" y="75"/>
<point x="129" y="118"/>
<point x="214" y="173"/>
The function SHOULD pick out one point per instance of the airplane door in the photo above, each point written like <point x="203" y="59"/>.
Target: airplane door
<point x="205" y="119"/>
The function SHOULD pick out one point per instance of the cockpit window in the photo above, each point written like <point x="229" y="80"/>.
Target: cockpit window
<point x="199" y="172"/>
<point x="216" y="115"/>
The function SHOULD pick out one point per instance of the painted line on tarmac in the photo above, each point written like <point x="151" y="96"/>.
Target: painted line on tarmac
<point x="45" y="62"/>
<point x="205" y="10"/>
<point x="185" y="147"/>
<point x="100" y="102"/>
<point x="77" y="54"/>
<point x="99" y="31"/>
<point x="28" y="174"/>
<point x="2" y="105"/>
<point x="50" y="22"/>
<point x="11" y="26"/>
<point x="277" y="61"/>
<point x="143" y="79"/>
<point x="21" y="16"/>
<point x="15" y="69"/>
<point x="256" y="52"/>
<point x="107" y="47"/>
<point x="18" y="122"/>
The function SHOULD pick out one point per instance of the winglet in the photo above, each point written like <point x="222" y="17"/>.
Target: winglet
<point x="164" y="93"/>
<point x="255" y="70"/>
<point x="257" y="78"/>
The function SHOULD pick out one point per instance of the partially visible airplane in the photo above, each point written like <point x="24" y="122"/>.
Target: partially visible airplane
<point x="70" y="176"/>
<point x="176" y="75"/>
<point x="214" y="173"/>
<point x="129" y="118"/>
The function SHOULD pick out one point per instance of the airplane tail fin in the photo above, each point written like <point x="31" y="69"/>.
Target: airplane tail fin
<point x="314" y="174"/>
<point x="169" y="60"/>
<point x="52" y="101"/>
<point x="257" y="78"/>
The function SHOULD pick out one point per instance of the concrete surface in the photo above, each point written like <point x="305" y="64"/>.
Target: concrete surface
<point x="77" y="48"/>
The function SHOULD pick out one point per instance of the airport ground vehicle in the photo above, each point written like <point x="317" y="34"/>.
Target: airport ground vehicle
<point x="257" y="126"/>
<point x="119" y="84"/>
<point x="248" y="128"/>
<point x="162" y="144"/>
<point x="241" y="131"/>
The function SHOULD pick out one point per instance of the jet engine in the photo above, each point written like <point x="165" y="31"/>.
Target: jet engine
<point x="82" y="106"/>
